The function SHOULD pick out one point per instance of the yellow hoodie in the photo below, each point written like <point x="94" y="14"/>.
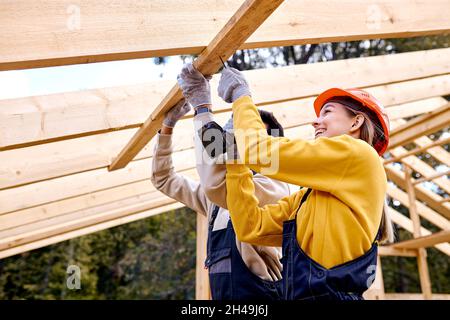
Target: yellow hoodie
<point x="341" y="217"/>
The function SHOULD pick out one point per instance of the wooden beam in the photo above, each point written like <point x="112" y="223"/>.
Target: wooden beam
<point x="407" y="224"/>
<point x="26" y="166"/>
<point x="417" y="150"/>
<point x="84" y="182"/>
<point x="415" y="296"/>
<point x="438" y="153"/>
<point x="422" y="167"/>
<point x="423" y="125"/>
<point x="425" y="241"/>
<point x="244" y="22"/>
<point x="376" y="290"/>
<point x="202" y="291"/>
<point x="77" y="203"/>
<point x="77" y="220"/>
<point x="422" y="263"/>
<point x="87" y="230"/>
<point x="109" y="199"/>
<point x="396" y="252"/>
<point x="55" y="117"/>
<point x="41" y="162"/>
<point x="138" y="29"/>
<point x="432" y="177"/>
<point x="423" y="194"/>
<point x="423" y="210"/>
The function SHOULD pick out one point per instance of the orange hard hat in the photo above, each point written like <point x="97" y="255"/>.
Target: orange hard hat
<point x="367" y="100"/>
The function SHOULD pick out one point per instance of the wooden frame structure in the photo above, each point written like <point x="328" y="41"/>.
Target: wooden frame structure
<point x="56" y="150"/>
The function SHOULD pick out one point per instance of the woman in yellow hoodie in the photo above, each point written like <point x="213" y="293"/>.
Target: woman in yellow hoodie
<point x="330" y="228"/>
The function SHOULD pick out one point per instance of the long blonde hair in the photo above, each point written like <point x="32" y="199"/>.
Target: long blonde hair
<point x="371" y="132"/>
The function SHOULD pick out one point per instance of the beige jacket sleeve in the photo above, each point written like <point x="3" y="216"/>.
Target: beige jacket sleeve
<point x="176" y="186"/>
<point x="212" y="174"/>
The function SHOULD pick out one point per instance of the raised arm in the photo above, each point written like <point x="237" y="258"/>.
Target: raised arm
<point x="166" y="180"/>
<point x="212" y="174"/>
<point x="252" y="223"/>
<point x="319" y="164"/>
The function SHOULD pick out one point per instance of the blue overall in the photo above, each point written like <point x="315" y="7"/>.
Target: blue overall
<point x="305" y="279"/>
<point x="229" y="277"/>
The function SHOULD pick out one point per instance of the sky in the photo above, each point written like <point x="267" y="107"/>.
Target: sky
<point x="32" y="82"/>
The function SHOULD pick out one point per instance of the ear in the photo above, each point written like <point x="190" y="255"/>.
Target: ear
<point x="358" y="121"/>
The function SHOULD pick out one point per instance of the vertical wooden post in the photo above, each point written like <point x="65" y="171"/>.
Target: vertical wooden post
<point x="421" y="252"/>
<point x="201" y="274"/>
<point x="376" y="290"/>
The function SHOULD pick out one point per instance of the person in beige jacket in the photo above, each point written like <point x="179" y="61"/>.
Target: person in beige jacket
<point x="240" y="271"/>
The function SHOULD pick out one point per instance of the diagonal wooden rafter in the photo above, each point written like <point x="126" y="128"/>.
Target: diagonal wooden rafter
<point x="407" y="224"/>
<point x="423" y="125"/>
<point x="423" y="210"/>
<point x="244" y="22"/>
<point x="425" y="241"/>
<point x="423" y="194"/>
<point x="437" y="152"/>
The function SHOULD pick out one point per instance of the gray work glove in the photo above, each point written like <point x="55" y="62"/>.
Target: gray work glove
<point x="232" y="85"/>
<point x="195" y="86"/>
<point x="176" y="113"/>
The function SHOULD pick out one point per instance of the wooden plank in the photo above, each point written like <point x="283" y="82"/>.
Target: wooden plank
<point x="422" y="263"/>
<point x="425" y="241"/>
<point x="112" y="198"/>
<point x="88" y="230"/>
<point x="81" y="184"/>
<point x="396" y="252"/>
<point x="202" y="291"/>
<point x="53" y="209"/>
<point x="244" y="22"/>
<point x="376" y="290"/>
<point x="84" y="182"/>
<point x="423" y="210"/>
<point x="88" y="180"/>
<point x="422" y="167"/>
<point x="420" y="149"/>
<point x="407" y="224"/>
<point x="423" y="125"/>
<point x="432" y="177"/>
<point x="423" y="194"/>
<point x="438" y="153"/>
<point x="76" y="220"/>
<point x="41" y="162"/>
<point x="83" y="32"/>
<point x="42" y="119"/>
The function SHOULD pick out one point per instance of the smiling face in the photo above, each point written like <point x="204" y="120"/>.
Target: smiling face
<point x="335" y="120"/>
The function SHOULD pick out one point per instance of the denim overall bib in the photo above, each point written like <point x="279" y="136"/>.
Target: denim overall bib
<point x="305" y="279"/>
<point x="229" y="277"/>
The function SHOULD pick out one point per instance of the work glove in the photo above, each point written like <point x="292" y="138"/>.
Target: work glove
<point x="176" y="113"/>
<point x="232" y="85"/>
<point x="195" y="86"/>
